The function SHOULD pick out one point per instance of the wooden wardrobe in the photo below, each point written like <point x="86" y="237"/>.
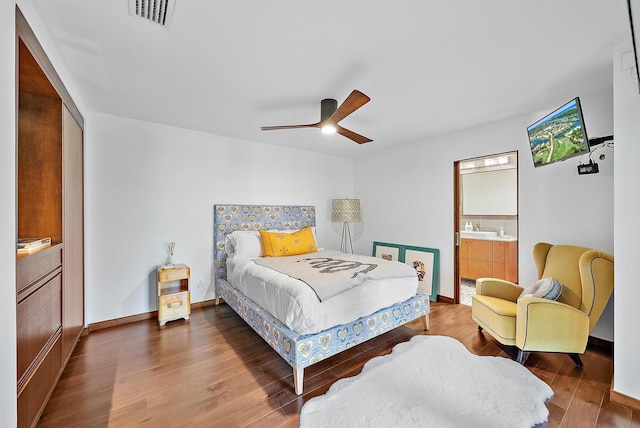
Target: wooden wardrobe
<point x="50" y="279"/>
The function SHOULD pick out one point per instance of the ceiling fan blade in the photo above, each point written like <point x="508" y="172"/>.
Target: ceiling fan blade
<point x="271" y="128"/>
<point x="352" y="135"/>
<point x="354" y="101"/>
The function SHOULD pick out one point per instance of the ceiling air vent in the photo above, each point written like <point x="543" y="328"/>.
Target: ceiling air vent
<point x="158" y="11"/>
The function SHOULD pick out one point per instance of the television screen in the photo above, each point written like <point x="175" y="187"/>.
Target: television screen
<point x="559" y="135"/>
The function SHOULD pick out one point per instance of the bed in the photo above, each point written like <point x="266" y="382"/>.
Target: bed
<point x="305" y="345"/>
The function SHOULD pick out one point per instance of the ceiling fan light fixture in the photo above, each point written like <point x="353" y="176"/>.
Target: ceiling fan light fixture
<point x="331" y="114"/>
<point x="328" y="128"/>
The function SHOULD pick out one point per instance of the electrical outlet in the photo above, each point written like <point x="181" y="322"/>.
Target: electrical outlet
<point x="200" y="283"/>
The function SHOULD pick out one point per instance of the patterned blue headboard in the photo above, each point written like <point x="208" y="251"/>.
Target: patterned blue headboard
<point x="228" y="218"/>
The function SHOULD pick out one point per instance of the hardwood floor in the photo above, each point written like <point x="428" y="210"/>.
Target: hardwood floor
<point x="215" y="371"/>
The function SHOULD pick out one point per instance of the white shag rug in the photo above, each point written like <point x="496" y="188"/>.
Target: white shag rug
<point x="432" y="381"/>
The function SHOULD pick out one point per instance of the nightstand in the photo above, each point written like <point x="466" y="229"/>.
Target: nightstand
<point x="173" y="293"/>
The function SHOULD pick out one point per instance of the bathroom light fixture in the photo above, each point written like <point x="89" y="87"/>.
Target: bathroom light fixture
<point x="345" y="211"/>
<point x="492" y="161"/>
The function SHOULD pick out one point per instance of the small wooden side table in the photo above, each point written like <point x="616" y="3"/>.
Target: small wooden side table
<point x="173" y="293"/>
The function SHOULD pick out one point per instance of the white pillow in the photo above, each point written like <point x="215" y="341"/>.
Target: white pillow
<point x="243" y="243"/>
<point x="229" y="249"/>
<point x="547" y="288"/>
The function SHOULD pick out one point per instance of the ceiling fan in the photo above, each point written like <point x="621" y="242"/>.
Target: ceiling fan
<point x="331" y="114"/>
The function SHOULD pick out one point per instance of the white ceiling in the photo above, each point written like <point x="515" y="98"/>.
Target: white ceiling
<point x="430" y="67"/>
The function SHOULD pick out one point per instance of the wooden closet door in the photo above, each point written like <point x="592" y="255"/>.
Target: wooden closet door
<point x="73" y="233"/>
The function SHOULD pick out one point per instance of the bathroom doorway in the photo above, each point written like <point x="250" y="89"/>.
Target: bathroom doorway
<point x="485" y="221"/>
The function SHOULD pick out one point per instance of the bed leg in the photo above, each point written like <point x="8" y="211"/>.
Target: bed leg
<point x="298" y="375"/>
<point x="425" y="321"/>
<point x="217" y="300"/>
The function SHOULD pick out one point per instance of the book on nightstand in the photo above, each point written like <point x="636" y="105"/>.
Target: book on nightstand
<point x="29" y="244"/>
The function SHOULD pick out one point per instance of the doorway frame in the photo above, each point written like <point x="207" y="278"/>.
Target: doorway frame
<point x="457" y="213"/>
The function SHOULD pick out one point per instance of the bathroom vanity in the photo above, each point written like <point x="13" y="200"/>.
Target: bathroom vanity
<point x="484" y="254"/>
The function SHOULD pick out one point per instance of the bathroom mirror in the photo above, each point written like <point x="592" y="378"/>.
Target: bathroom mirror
<point x="490" y="193"/>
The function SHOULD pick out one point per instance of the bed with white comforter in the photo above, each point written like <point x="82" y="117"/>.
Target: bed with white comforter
<point x="297" y="305"/>
<point x="285" y="310"/>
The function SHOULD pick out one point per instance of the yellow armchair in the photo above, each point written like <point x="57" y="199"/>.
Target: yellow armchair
<point x="538" y="324"/>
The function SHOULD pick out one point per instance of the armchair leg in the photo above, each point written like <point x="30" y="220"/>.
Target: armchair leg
<point x="522" y="356"/>
<point x="576" y="359"/>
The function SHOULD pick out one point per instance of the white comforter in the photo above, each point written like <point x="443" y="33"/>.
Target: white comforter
<point x="296" y="304"/>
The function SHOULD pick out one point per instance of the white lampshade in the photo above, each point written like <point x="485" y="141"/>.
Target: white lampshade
<point x="345" y="210"/>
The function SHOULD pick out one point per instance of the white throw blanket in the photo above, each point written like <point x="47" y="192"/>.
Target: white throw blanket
<point x="332" y="272"/>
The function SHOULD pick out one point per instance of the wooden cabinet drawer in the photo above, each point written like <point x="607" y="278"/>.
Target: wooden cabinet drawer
<point x="30" y="268"/>
<point x="41" y="384"/>
<point x="480" y="250"/>
<point x="38" y="320"/>
<point x="176" y="273"/>
<point x="174" y="305"/>
<point x="479" y="269"/>
<point x="499" y="251"/>
<point x="499" y="270"/>
<point x="464" y="248"/>
<point x="464" y="273"/>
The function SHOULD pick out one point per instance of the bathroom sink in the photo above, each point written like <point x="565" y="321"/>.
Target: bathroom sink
<point x="478" y="234"/>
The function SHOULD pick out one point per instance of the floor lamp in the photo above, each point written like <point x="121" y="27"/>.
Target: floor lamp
<point x="345" y="211"/>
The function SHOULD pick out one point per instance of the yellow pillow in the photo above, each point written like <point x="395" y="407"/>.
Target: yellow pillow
<point x="277" y="244"/>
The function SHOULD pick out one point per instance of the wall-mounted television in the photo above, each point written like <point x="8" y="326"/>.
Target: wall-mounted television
<point x="559" y="135"/>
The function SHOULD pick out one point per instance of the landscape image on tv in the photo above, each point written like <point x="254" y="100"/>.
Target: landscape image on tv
<point x="559" y="135"/>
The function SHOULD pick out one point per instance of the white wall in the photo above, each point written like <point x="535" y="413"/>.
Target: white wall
<point x="149" y="184"/>
<point x="407" y="194"/>
<point x="627" y="227"/>
<point x="7" y="213"/>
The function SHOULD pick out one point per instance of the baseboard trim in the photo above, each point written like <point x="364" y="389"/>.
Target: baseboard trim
<point x="121" y="321"/>
<point x="444" y="299"/>
<point x="203" y="304"/>
<point x="625" y="400"/>
<point x="139" y="317"/>
<point x="601" y="343"/>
